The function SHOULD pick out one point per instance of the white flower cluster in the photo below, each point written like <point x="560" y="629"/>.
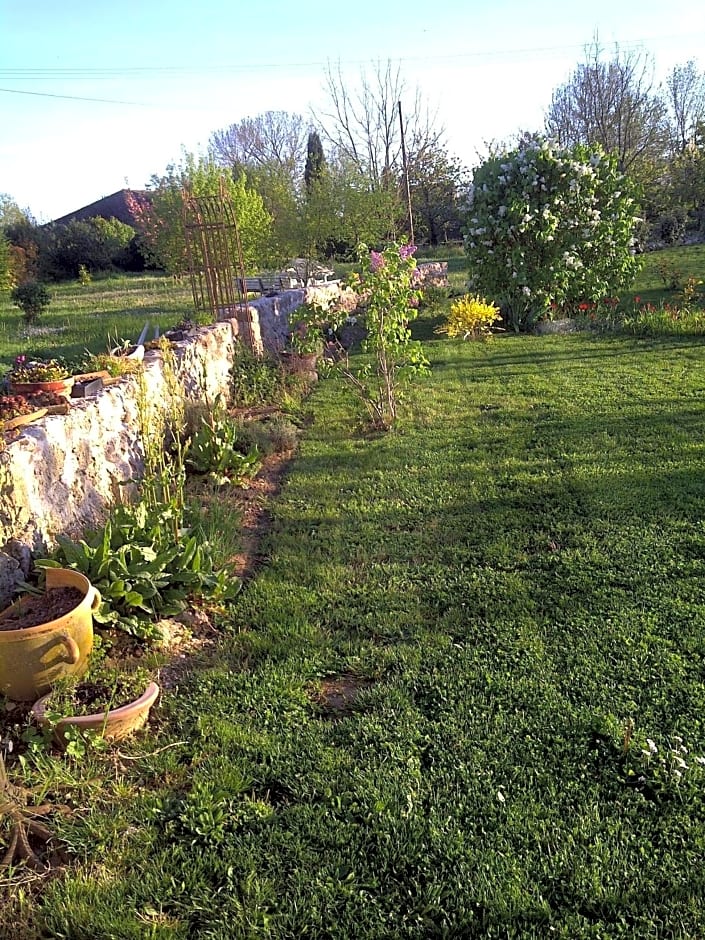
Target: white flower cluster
<point x="671" y="761"/>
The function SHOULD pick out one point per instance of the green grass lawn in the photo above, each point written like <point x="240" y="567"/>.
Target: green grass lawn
<point x="431" y="713"/>
<point x="83" y="318"/>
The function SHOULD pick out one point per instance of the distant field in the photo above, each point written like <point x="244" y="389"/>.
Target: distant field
<point x="82" y="318"/>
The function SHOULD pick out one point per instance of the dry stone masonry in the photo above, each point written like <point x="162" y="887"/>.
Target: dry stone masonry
<point x="61" y="474"/>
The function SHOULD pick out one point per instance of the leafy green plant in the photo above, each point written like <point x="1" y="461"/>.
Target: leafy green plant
<point x="38" y="370"/>
<point x="471" y="318"/>
<point x="215" y="449"/>
<point x="145" y="563"/>
<point x="387" y="284"/>
<point x="254" y="380"/>
<point x="307" y="323"/>
<point x="32" y="298"/>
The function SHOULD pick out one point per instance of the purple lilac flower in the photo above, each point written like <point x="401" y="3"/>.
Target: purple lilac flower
<point x="376" y="260"/>
<point x="406" y="251"/>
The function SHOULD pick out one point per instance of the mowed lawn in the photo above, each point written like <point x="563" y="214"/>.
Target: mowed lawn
<point x="464" y="695"/>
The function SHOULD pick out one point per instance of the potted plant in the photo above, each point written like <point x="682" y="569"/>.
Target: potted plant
<point x="109" y="703"/>
<point x="39" y="375"/>
<point x="46" y="637"/>
<point x="108" y="367"/>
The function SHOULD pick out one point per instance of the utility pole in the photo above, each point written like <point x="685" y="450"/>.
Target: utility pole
<point x="406" y="175"/>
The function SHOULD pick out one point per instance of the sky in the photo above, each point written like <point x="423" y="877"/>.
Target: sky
<point x="96" y="96"/>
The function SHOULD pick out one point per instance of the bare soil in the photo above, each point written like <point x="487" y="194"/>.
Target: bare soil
<point x="35" y="610"/>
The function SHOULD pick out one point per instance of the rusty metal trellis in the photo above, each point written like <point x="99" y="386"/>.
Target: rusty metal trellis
<point x="215" y="260"/>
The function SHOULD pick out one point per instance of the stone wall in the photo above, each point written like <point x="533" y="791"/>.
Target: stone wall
<point x="432" y="273"/>
<point x="61" y="473"/>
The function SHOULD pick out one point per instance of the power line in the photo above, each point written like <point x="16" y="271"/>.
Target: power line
<point x="93" y="74"/>
<point x="47" y="94"/>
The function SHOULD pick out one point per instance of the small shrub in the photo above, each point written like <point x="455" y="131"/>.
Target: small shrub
<point x="84" y="275"/>
<point x="670" y="227"/>
<point x="470" y="317"/>
<point x="215" y="448"/>
<point x="278" y="435"/>
<point x="433" y="297"/>
<point x="32" y="298"/>
<point x="254" y="381"/>
<point x="671" y="275"/>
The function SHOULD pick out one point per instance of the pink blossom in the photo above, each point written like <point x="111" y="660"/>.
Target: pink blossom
<point x="376" y="260"/>
<point x="406" y="251"/>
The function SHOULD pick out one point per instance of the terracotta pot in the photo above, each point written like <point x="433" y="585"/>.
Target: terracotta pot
<point x="61" y="386"/>
<point x="299" y="362"/>
<point x="33" y="658"/>
<point x="113" y="725"/>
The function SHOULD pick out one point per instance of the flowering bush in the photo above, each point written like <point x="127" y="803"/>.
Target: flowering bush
<point x="388" y="280"/>
<point x="388" y="295"/>
<point x="549" y="226"/>
<point x="38" y="370"/>
<point x="470" y="317"/>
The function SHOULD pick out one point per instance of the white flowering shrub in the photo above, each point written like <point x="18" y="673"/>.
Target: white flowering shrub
<point x="550" y="228"/>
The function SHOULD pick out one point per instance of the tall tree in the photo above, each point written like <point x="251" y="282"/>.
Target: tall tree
<point x="159" y="214"/>
<point x="685" y="98"/>
<point x="315" y="159"/>
<point x="440" y="192"/>
<point x="362" y="124"/>
<point x="613" y="103"/>
<point x="273" y="138"/>
<point x="10" y="212"/>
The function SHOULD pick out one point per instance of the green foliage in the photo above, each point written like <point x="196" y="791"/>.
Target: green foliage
<point x="471" y="318"/>
<point x="215" y="448"/>
<point x="393" y="358"/>
<point x="255" y="380"/>
<point x="143" y="566"/>
<point x="6" y="273"/>
<point x="161" y="221"/>
<point x="315" y="159"/>
<point x="669" y="228"/>
<point x="438" y="185"/>
<point x="32" y="297"/>
<point x="549" y="227"/>
<point x="94" y="244"/>
<point x="150" y="557"/>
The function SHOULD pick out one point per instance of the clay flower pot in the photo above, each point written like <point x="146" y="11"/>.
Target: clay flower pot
<point x="113" y="725"/>
<point x="60" y="386"/>
<point x="33" y="658"/>
<point x="298" y="362"/>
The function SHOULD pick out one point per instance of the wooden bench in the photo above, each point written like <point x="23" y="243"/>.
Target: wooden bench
<point x="266" y="284"/>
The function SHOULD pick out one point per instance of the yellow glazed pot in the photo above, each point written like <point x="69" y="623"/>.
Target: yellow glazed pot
<point x="34" y="658"/>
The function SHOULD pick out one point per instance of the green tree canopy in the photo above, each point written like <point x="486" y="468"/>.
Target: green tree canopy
<point x="160" y="217"/>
